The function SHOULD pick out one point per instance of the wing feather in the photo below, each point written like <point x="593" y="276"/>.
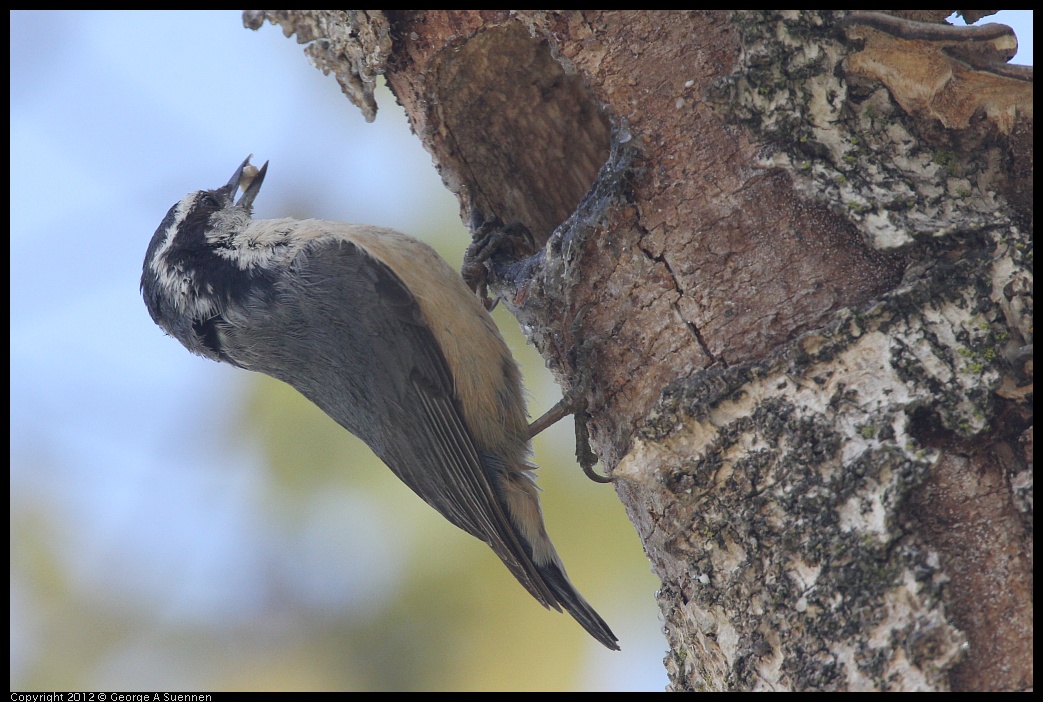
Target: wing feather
<point x="347" y="333"/>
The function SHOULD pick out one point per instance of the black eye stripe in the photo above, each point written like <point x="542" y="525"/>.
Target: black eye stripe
<point x="210" y="270"/>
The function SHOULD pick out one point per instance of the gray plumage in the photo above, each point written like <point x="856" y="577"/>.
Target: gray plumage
<point x="379" y="332"/>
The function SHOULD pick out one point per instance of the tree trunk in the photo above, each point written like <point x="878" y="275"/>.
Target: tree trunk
<point x="785" y="258"/>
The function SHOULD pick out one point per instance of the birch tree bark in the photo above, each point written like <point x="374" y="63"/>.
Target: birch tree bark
<point x="785" y="258"/>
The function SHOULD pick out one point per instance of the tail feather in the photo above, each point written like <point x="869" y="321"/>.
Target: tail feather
<point x="569" y="598"/>
<point x="536" y="564"/>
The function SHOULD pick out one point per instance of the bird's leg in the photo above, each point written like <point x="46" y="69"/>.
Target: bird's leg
<point x="564" y="407"/>
<point x="573" y="403"/>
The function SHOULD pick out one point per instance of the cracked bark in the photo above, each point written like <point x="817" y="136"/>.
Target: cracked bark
<point x="788" y="256"/>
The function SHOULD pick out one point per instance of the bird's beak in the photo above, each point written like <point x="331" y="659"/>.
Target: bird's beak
<point x="233" y="182"/>
<point x="250" y="179"/>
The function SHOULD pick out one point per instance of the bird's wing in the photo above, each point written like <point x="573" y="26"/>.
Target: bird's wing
<point x="348" y="334"/>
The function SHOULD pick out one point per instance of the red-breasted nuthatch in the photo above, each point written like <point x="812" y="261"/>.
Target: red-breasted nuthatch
<point x="384" y="336"/>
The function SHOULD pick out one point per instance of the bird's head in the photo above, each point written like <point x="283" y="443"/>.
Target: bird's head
<point x="195" y="264"/>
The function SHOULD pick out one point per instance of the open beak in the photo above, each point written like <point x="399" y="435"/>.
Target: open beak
<point x="250" y="179"/>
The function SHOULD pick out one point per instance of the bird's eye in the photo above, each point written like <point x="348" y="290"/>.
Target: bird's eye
<point x="208" y="200"/>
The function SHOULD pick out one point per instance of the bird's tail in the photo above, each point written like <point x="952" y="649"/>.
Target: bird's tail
<point x="569" y="598"/>
<point x="543" y="574"/>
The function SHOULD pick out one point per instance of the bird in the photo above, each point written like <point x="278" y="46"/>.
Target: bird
<point x="378" y="331"/>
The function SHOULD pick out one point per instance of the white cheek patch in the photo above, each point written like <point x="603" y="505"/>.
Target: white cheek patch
<point x="158" y="263"/>
<point x="175" y="282"/>
<point x="181" y="290"/>
<point x="183" y="293"/>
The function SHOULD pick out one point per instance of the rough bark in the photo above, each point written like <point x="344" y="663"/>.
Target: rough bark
<point x="786" y="259"/>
